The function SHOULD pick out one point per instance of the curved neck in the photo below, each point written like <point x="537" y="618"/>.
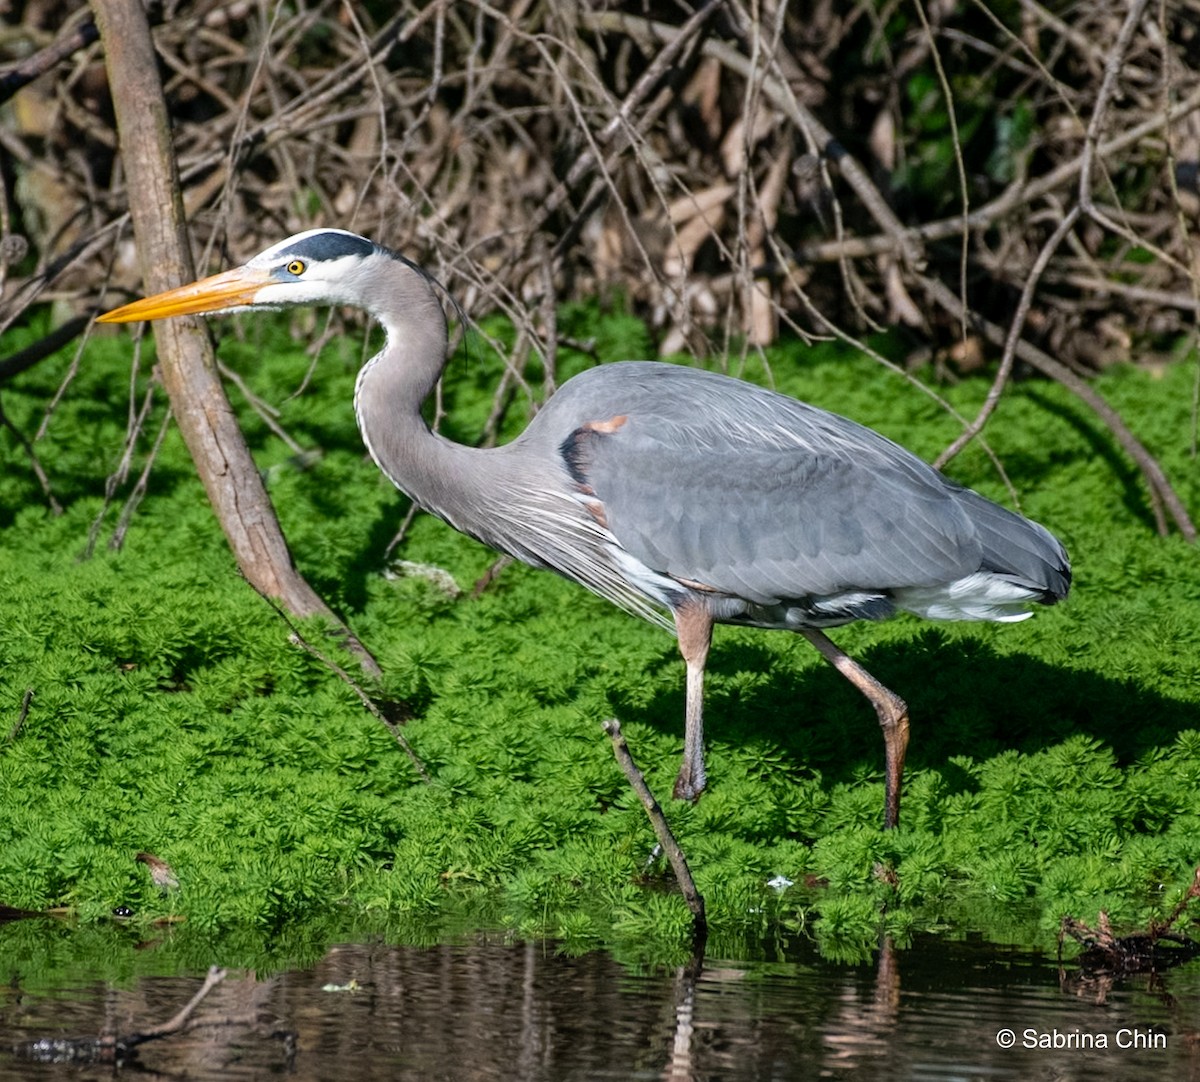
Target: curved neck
<point x="443" y="477"/>
<point x="403" y="374"/>
<point x="518" y="498"/>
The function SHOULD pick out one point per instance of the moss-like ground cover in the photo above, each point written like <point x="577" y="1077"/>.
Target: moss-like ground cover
<point x="1054" y="765"/>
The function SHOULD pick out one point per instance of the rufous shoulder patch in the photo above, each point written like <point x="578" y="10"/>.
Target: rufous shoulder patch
<point x="608" y="427"/>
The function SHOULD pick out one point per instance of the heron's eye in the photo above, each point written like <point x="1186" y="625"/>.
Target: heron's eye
<point x="297" y="267"/>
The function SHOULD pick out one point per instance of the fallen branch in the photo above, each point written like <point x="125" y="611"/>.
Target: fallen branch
<point x="662" y="831"/>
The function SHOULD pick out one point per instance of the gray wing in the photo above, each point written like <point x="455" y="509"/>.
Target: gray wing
<point x="714" y="481"/>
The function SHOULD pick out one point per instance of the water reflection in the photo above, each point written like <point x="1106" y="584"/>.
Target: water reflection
<point x="491" y="1009"/>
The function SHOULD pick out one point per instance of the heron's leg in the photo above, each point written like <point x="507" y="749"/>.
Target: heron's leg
<point x="893" y="717"/>
<point x="694" y="626"/>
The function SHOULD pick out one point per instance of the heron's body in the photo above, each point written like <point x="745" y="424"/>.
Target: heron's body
<point x="668" y="489"/>
<point x="664" y="484"/>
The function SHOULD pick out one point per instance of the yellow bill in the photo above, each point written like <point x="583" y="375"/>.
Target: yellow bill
<point x="229" y="289"/>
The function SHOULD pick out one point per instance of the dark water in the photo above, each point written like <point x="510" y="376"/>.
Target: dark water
<point x="488" y="1009"/>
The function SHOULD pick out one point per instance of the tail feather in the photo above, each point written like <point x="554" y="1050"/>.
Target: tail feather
<point x="1020" y="550"/>
<point x="1021" y="564"/>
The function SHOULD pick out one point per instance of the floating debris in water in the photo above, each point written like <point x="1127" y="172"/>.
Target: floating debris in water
<point x="1155" y="949"/>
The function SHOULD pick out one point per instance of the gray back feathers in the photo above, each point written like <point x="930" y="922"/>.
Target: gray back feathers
<point x="715" y="481"/>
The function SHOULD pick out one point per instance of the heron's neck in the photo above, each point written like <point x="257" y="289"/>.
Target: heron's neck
<point x="391" y="389"/>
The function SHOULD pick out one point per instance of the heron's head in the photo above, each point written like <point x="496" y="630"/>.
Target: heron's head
<point x="320" y="266"/>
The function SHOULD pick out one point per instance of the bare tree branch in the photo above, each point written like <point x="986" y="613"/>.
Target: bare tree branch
<point x="188" y="367"/>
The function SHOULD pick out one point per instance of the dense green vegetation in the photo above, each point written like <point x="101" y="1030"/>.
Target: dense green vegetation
<point x="1054" y="765"/>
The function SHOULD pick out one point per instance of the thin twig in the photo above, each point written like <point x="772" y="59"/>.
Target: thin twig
<point x="31" y="67"/>
<point x="26" y="700"/>
<point x="35" y="464"/>
<point x="1011" y="341"/>
<point x="1160" y="489"/>
<point x="372" y="707"/>
<point x="267" y="413"/>
<point x="1113" y="64"/>
<point x="960" y="166"/>
<point x="402" y="530"/>
<point x="139" y="488"/>
<point x="133" y="433"/>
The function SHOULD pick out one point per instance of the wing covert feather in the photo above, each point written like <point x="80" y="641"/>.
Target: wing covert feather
<point x="758" y="495"/>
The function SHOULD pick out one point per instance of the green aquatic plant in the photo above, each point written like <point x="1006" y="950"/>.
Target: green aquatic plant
<point x="1054" y="763"/>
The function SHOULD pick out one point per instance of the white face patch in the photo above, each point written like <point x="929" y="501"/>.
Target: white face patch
<point x="318" y="266"/>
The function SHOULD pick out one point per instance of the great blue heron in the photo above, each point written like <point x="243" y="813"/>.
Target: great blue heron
<point x="668" y="489"/>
